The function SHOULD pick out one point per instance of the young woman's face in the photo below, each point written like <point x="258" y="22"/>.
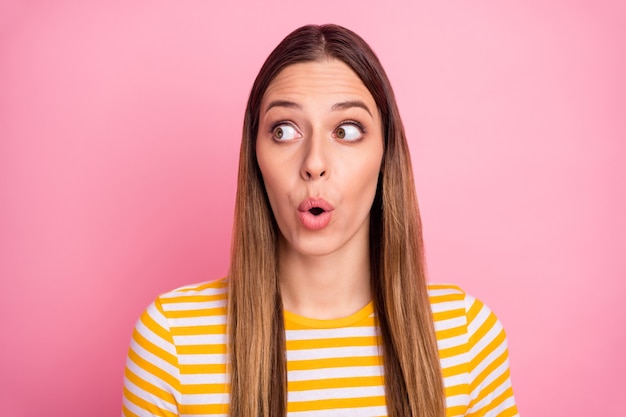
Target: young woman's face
<point x="320" y="148"/>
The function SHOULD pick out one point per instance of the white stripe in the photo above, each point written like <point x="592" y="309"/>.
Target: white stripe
<point x="151" y="378"/>
<point x="451" y="323"/>
<point x="446" y="306"/>
<point x="191" y="306"/>
<point x="156" y="315"/>
<point x="201" y="339"/>
<point x="133" y="408"/>
<point x="489" y="359"/>
<point x="196" y="379"/>
<point x="445" y="291"/>
<point x="454" y="380"/>
<point x="460" y="359"/>
<point x="153" y="359"/>
<point x="341" y="333"/>
<point x="144" y="395"/>
<point x="451" y="342"/>
<point x="192" y="290"/>
<point x="479" y="320"/>
<point x="200" y="415"/>
<point x="492" y="394"/>
<point x="202" y="359"/>
<point x="343" y="412"/>
<point x="327" y="353"/>
<point x="198" y="321"/>
<point x="456" y="400"/>
<point x="335" y="393"/>
<point x="204" y="399"/>
<point x="324" y="373"/>
<point x="154" y="338"/>
<point x="488" y="338"/>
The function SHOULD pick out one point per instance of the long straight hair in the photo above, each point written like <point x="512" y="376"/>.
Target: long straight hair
<point x="258" y="376"/>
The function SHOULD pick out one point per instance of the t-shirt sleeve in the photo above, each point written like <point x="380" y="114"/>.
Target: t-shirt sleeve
<point x="152" y="375"/>
<point x="491" y="393"/>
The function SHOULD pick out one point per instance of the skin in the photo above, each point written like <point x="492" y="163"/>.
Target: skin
<point x="320" y="136"/>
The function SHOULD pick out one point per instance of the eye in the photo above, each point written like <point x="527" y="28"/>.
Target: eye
<point x="350" y="132"/>
<point x="284" y="132"/>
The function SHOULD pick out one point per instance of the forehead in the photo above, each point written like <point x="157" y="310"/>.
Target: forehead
<point x="331" y="79"/>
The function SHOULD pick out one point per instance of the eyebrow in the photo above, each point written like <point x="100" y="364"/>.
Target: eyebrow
<point x="348" y="104"/>
<point x="283" y="103"/>
<point x="337" y="106"/>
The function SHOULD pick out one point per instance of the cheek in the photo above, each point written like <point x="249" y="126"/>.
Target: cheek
<point x="276" y="186"/>
<point x="362" y="182"/>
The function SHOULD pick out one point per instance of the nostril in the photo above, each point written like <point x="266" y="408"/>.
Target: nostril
<point x="311" y="175"/>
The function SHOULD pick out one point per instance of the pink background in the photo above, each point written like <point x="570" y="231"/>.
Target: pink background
<point x="119" y="134"/>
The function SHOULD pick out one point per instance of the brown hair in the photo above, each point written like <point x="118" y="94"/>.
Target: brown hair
<point x="413" y="380"/>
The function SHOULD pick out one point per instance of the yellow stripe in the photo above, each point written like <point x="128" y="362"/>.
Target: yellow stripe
<point x="147" y="320"/>
<point x="154" y="349"/>
<point x="448" y="314"/>
<point x="202" y="349"/>
<point x="204" y="312"/>
<point x="457" y="390"/>
<point x="293" y="407"/>
<point x="330" y="343"/>
<point x="366" y="322"/>
<point x="149" y="387"/>
<point x="198" y="330"/>
<point x="127" y="413"/>
<point x="353" y="382"/>
<point x="445" y="298"/>
<point x="451" y="332"/>
<point x="474" y="310"/>
<point x="489" y="369"/>
<point x="509" y="412"/>
<point x="486" y="390"/>
<point x="193" y="298"/>
<point x="304" y="365"/>
<point x="190" y="389"/>
<point x="458" y="410"/>
<point x="455" y="370"/>
<point x="217" y="283"/>
<point x="141" y="403"/>
<point x="484" y="328"/>
<point x="199" y="409"/>
<point x="152" y="369"/>
<point x="495" y="402"/>
<point x="218" y="368"/>
<point x="453" y="351"/>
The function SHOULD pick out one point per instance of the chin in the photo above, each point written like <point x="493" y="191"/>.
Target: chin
<point x="310" y="245"/>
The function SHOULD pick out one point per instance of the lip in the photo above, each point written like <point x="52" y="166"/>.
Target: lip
<point x="312" y="221"/>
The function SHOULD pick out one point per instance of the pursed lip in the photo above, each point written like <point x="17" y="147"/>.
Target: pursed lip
<point x="311" y="203"/>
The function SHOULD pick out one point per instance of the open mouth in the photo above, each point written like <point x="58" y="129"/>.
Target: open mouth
<point x="315" y="213"/>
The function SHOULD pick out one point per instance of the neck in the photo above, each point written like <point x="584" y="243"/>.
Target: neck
<point x="325" y="286"/>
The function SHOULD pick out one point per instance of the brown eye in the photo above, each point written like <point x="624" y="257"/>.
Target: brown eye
<point x="349" y="132"/>
<point x="284" y="132"/>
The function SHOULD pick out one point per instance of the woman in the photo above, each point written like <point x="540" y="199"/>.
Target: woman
<point x="326" y="291"/>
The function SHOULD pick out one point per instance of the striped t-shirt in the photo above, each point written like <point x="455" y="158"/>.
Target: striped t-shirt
<point x="176" y="363"/>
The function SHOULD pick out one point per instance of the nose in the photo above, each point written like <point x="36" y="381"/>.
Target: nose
<point x="315" y="161"/>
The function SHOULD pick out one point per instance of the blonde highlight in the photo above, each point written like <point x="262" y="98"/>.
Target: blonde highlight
<point x="256" y="346"/>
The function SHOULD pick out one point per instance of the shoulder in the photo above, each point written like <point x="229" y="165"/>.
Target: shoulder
<point x="202" y="291"/>
<point x="453" y="307"/>
<point x="446" y="297"/>
<point x="201" y="299"/>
